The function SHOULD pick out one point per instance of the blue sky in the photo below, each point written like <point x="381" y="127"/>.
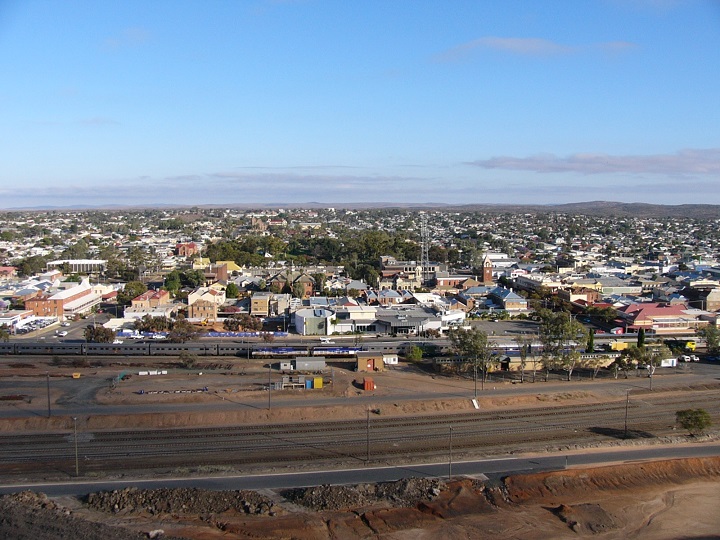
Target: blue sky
<point x="270" y="101"/>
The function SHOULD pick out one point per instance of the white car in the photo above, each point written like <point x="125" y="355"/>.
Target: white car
<point x="62" y="333"/>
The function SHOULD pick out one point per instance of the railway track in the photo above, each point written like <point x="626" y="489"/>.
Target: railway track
<point x="382" y="438"/>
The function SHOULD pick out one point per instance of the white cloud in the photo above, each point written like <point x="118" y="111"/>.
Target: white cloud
<point x="99" y="121"/>
<point x="129" y="37"/>
<point x="691" y="161"/>
<point x="526" y="47"/>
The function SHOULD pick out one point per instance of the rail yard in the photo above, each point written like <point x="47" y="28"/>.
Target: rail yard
<point x="112" y="420"/>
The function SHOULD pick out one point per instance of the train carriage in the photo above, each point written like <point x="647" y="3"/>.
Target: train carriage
<point x="118" y="349"/>
<point x="49" y="348"/>
<point x="232" y="349"/>
<point x="175" y="349"/>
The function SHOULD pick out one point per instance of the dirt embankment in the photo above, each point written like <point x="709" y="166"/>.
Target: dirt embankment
<point x="255" y="412"/>
<point x="576" y="483"/>
<point x="658" y="500"/>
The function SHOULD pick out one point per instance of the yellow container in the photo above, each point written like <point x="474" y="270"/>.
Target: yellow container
<point x="317" y="382"/>
<point x="75" y="375"/>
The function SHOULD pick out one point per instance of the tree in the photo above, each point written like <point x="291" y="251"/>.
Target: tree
<point x="474" y="346"/>
<point x="559" y="335"/>
<point x="620" y="364"/>
<point x="711" y="334"/>
<point x="232" y="291"/>
<point x="590" y="347"/>
<point x="596" y="363"/>
<point x="695" y="421"/>
<point x="319" y="279"/>
<point x="183" y="331"/>
<point x="132" y="289"/>
<point x="641" y="338"/>
<point x="524" y="343"/>
<point x="99" y="334"/>
<point x="413" y="353"/>
<point x="148" y="323"/>
<point x="188" y="359"/>
<point x="298" y="289"/>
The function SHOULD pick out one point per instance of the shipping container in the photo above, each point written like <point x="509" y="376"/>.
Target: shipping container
<point x="309" y="364"/>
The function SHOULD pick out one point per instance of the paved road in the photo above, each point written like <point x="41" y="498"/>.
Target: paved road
<point x="492" y="468"/>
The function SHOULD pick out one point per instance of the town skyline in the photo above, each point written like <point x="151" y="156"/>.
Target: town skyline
<point x="283" y="102"/>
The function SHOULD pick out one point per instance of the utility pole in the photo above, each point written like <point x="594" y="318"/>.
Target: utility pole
<point x="450" y="457"/>
<point x="475" y="376"/>
<point x="627" y="406"/>
<point x="47" y="375"/>
<point x="77" y="463"/>
<point x="367" y="437"/>
<point x="269" y="382"/>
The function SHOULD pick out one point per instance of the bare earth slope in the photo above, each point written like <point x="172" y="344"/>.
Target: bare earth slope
<point x="655" y="500"/>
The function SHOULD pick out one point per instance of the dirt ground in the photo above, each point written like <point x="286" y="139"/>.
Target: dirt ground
<point x="229" y="384"/>
<point x="661" y="500"/>
<point x="654" y="501"/>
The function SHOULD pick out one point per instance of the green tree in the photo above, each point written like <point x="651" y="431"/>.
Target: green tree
<point x="641" y="338"/>
<point x="232" y="291"/>
<point x="31" y="265"/>
<point x="132" y="289"/>
<point x="711" y="334"/>
<point x="474" y="346"/>
<point x="183" y="331"/>
<point x="695" y="421"/>
<point x="188" y="359"/>
<point x="99" y="334"/>
<point x="148" y="323"/>
<point x="560" y="334"/>
<point x="590" y="347"/>
<point x="173" y="282"/>
<point x="413" y="353"/>
<point x="298" y="290"/>
<point x="524" y="343"/>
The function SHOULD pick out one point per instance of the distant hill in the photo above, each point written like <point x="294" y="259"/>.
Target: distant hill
<point x="593" y="208"/>
<point x="616" y="209"/>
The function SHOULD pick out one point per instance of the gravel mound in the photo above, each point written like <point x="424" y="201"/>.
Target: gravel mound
<point x="402" y="493"/>
<point x="32" y="516"/>
<point x="179" y="501"/>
